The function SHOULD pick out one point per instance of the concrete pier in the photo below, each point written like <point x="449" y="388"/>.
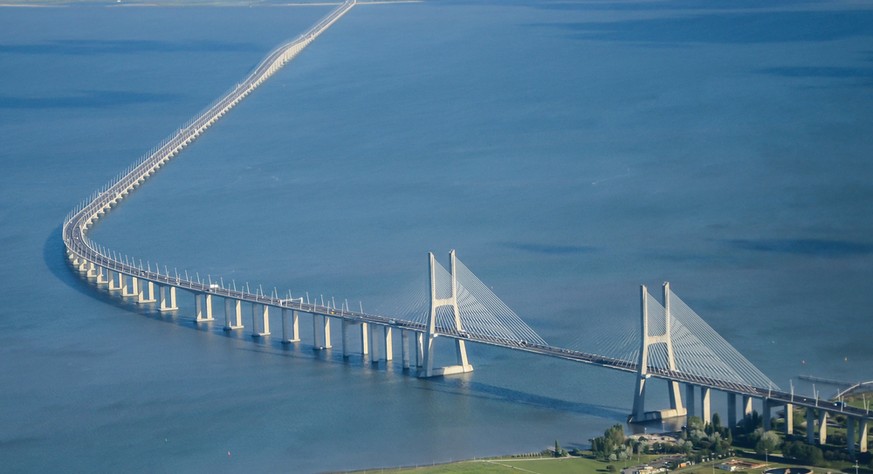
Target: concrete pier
<point x="810" y="426"/>
<point x="850" y="434"/>
<point x="706" y="404"/>
<point x="766" y="415"/>
<point x="168" y="298"/>
<point x="863" y="429"/>
<point x="321" y="332"/>
<point x="789" y="418"/>
<point x="747" y="406"/>
<point x="203" y="307"/>
<point x="689" y="402"/>
<point x="115" y="281"/>
<point x="344" y="325"/>
<point x="365" y="339"/>
<point x="290" y="326"/>
<point x="823" y="427"/>
<point x="388" y="337"/>
<point x="102" y="277"/>
<point x="132" y="289"/>
<point x="232" y="314"/>
<point x="375" y="346"/>
<point x="732" y="410"/>
<point x="146" y="293"/>
<point x="404" y="348"/>
<point x="260" y="320"/>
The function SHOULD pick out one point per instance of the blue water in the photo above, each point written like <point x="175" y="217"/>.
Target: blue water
<point x="569" y="152"/>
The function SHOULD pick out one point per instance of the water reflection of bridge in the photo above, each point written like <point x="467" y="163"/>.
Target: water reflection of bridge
<point x="674" y="344"/>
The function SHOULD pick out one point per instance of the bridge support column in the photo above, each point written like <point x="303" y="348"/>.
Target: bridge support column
<point x="290" y="326"/>
<point x="766" y="408"/>
<point x="850" y="434"/>
<point x="822" y="427"/>
<point x="452" y="302"/>
<point x="203" y="307"/>
<point x="150" y="289"/>
<point x="389" y="343"/>
<point x="260" y="320"/>
<point x="365" y="339"/>
<point x="810" y="426"/>
<point x="115" y="281"/>
<point x="102" y="277"/>
<point x="789" y="418"/>
<point x="706" y="404"/>
<point x="689" y="402"/>
<point x="321" y="335"/>
<point x="419" y="350"/>
<point x="168" y="298"/>
<point x="375" y="348"/>
<point x="747" y="406"/>
<point x="863" y="428"/>
<point x="675" y="395"/>
<point x="232" y="314"/>
<point x="404" y="348"/>
<point x="345" y="337"/>
<point x="731" y="410"/>
<point x="92" y="270"/>
<point x="133" y="289"/>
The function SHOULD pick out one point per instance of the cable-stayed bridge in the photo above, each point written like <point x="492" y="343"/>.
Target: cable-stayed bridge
<point x="672" y="343"/>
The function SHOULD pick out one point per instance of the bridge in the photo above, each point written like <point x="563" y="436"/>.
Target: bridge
<point x="673" y="345"/>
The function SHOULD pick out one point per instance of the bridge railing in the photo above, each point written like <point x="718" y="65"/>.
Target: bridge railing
<point x="89" y="209"/>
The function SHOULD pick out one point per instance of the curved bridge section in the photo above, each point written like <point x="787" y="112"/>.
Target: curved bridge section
<point x="676" y="345"/>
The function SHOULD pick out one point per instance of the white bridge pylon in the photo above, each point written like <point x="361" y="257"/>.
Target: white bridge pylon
<point x="677" y="343"/>
<point x="662" y="339"/>
<point x="464" y="308"/>
<point x="451" y="301"/>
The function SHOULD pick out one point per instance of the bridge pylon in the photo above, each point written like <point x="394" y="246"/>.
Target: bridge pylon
<point x="451" y="301"/>
<point x="676" y="409"/>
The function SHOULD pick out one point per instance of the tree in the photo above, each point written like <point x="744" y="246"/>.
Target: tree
<point x="716" y="422"/>
<point x="768" y="442"/>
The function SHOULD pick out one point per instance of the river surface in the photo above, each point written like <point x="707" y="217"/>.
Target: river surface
<point x="569" y="152"/>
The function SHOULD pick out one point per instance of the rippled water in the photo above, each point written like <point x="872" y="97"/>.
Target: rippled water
<point x="568" y="151"/>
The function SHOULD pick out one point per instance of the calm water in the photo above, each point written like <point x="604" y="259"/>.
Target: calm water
<point x="569" y="152"/>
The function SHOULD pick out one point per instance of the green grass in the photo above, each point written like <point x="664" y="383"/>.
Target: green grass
<point x="513" y="465"/>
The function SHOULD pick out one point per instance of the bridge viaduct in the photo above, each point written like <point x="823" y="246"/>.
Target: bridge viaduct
<point x="148" y="285"/>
